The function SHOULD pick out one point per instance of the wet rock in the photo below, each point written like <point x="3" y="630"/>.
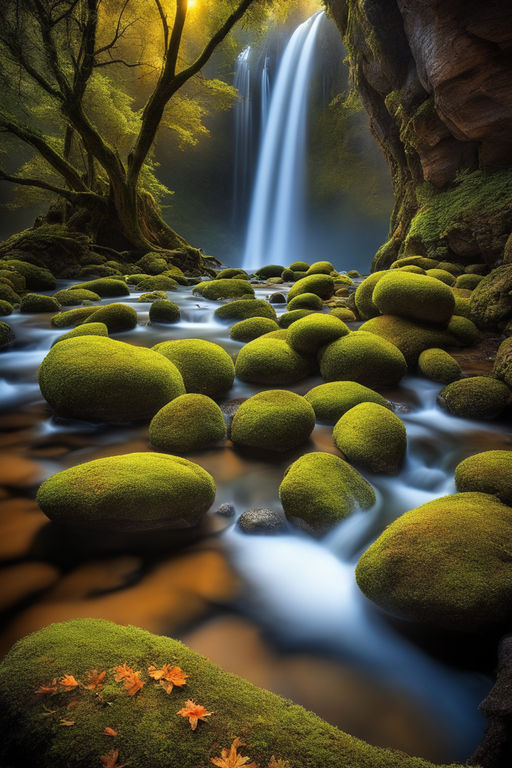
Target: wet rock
<point x="277" y="298"/>
<point x="260" y="520"/>
<point x="225" y="510"/>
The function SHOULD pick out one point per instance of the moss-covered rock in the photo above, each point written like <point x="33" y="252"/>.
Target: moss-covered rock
<point x="136" y="491"/>
<point x="476" y="269"/>
<point x="275" y="420"/>
<point x="99" y="270"/>
<point x="157" y="283"/>
<point x="353" y="273"/>
<point x="342" y="281"/>
<point x="438" y="365"/>
<point x="478" y="397"/>
<point x="7" y="293"/>
<point x="452" y="267"/>
<point x="416" y="297"/>
<point x="463" y="331"/>
<point x="270" y="361"/>
<point x="13" y="278"/>
<point x="503" y="362"/>
<point x="491" y="300"/>
<point x="320" y="489"/>
<point x="151" y="297"/>
<point x="330" y="401"/>
<point x="135" y="278"/>
<point x="152" y="263"/>
<point x="299" y="266"/>
<point x="187" y="423"/>
<point x="441" y="274"/>
<point x="307" y="335"/>
<point x="306" y="301"/>
<point x="91" y="329"/>
<point x="418" y="261"/>
<point x="233" y="288"/>
<point x="72" y="298"/>
<point x="106" y="287"/>
<point x="469" y="281"/>
<point x="270" y="270"/>
<point x="6" y="334"/>
<point x="360" y="357"/>
<point x="206" y="368"/>
<point x="252" y="328"/>
<point x="343" y="313"/>
<point x="321" y="285"/>
<point x="320" y="268"/>
<point x="99" y="379"/>
<point x="373" y="437"/>
<point x="72" y="317"/>
<point x="230" y="273"/>
<point x="117" y="317"/>
<point x="6" y="307"/>
<point x="36" y="278"/>
<point x="445" y="563"/>
<point x="164" y="311"/>
<point x="287" y="318"/>
<point x="413" y="268"/>
<point x="363" y="296"/>
<point x="245" y="308"/>
<point x="462" y="307"/>
<point x="35" y="303"/>
<point x="487" y="472"/>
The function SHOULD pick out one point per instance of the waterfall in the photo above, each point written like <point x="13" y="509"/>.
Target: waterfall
<point x="265" y="94"/>
<point x="277" y="208"/>
<point x="243" y="133"/>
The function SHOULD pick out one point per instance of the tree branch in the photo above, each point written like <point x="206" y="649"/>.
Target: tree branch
<point x="84" y="198"/>
<point x="165" y="25"/>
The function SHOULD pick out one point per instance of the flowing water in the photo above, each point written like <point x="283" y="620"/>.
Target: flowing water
<point x="243" y="133"/>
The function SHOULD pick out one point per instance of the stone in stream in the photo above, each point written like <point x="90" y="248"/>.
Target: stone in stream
<point x="477" y="397"/>
<point x="309" y="334"/>
<point x="274" y="420"/>
<point x="487" y="472"/>
<point x="270" y="361"/>
<point x="252" y="328"/>
<point x="416" y="297"/>
<point x="261" y="520"/>
<point x="277" y="298"/>
<point x="330" y="401"/>
<point x="373" y="437"/>
<point x="244" y="308"/>
<point x="363" y="357"/>
<point x="188" y="423"/>
<point x="230" y="288"/>
<point x="225" y="510"/>
<point x="117" y="317"/>
<point x="6" y="334"/>
<point x="207" y="369"/>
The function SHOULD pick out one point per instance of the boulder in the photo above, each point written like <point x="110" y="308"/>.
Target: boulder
<point x="364" y="358"/>
<point x="207" y="369"/>
<point x="244" y="308"/>
<point x="330" y="401"/>
<point x="231" y="288"/>
<point x="309" y="334"/>
<point x="373" y="437"/>
<point x="164" y="311"/>
<point x="270" y="361"/>
<point x="274" y="420"/>
<point x="438" y="365"/>
<point x="252" y="328"/>
<point x="188" y="423"/>
<point x="487" y="472"/>
<point x="416" y="297"/>
<point x="477" y="397"/>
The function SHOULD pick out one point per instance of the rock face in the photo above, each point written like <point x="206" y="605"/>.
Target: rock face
<point x="434" y="77"/>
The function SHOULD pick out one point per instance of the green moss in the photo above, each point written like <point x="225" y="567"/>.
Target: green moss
<point x="320" y="489"/>
<point x="117" y="317"/>
<point x="138" y="491"/>
<point x="72" y="298"/>
<point x="270" y="361"/>
<point x="353" y="273"/>
<point x="463" y="330"/>
<point x="299" y="266"/>
<point x="476" y="269"/>
<point x="360" y="357"/>
<point x="91" y="329"/>
<point x="462" y="307"/>
<point x="6" y="334"/>
<point x="343" y="313"/>
<point x="136" y="278"/>
<point x="252" y="328"/>
<point x="342" y="281"/>
<point x="276" y="420"/>
<point x="330" y="401"/>
<point x="187" y="423"/>
<point x="453" y="268"/>
<point x="99" y="379"/>
<point x="469" y="281"/>
<point x="414" y="269"/>
<point x="164" y="311"/>
<point x="207" y="369"/>
<point x="487" y="472"/>
<point x="491" y="300"/>
<point x="445" y="563"/>
<point x="306" y="301"/>
<point x="438" y="365"/>
<point x="364" y="293"/>
<point x="106" y="287"/>
<point x="72" y="317"/>
<point x="151" y="297"/>
<point x="416" y="261"/>
<point x="322" y="285"/>
<point x="503" y="363"/>
<point x="99" y="270"/>
<point x="228" y="274"/>
<point x="478" y="397"/>
<point x="245" y="308"/>
<point x="34" y="303"/>
<point x="177" y="275"/>
<point x="6" y="307"/>
<point x="14" y="279"/>
<point x="287" y="318"/>
<point x="442" y="275"/>
<point x="270" y="270"/>
<point x="7" y="293"/>
<point x="157" y="283"/>
<point x="373" y="437"/>
<point x="307" y="335"/>
<point x="36" y="278"/>
<point x="152" y="263"/>
<point x="416" y="297"/>
<point x="224" y="289"/>
<point x="320" y="268"/>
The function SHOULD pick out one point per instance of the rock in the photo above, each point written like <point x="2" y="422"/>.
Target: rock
<point x="224" y="289"/>
<point x="469" y="282"/>
<point x="137" y="491"/>
<point x="306" y="301"/>
<point x="477" y="397"/>
<point x="321" y="268"/>
<point x="164" y="311"/>
<point x="275" y="420"/>
<point x="308" y="334"/>
<point x="415" y="297"/>
<point x="13" y="278"/>
<point x="330" y="401"/>
<point x="360" y="357"/>
<point x="225" y="510"/>
<point x="491" y="301"/>
<point x="72" y="317"/>
<point x="34" y="303"/>
<point x="277" y="298"/>
<point x="373" y="437"/>
<point x="99" y="379"/>
<point x="7" y="292"/>
<point x="320" y="489"/>
<point x="6" y="334"/>
<point x="244" y="308"/>
<point x="188" y="423"/>
<point x="363" y="296"/>
<point x="117" y="317"/>
<point x="152" y="263"/>
<point x="503" y="363"/>
<point x="287" y="318"/>
<point x="72" y="298"/>
<point x="343" y="313"/>
<point x="151" y="297"/>
<point x="487" y="472"/>
<point x="252" y="328"/>
<point x="228" y="274"/>
<point x="270" y="361"/>
<point x="445" y="563"/>
<point x="6" y="308"/>
<point x="438" y="365"/>
<point x="157" y="283"/>
<point x="106" y="287"/>
<point x="443" y="275"/>
<point x="90" y="329"/>
<point x="321" y="285"/>
<point x="299" y="266"/>
<point x="36" y="278"/>
<point x="207" y="369"/>
<point x="271" y="270"/>
<point x="261" y="520"/>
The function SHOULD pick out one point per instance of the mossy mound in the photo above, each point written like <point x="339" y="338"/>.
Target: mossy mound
<point x="230" y="273"/>
<point x="152" y="263"/>
<point x="478" y="397"/>
<point x="299" y="266"/>
<point x="476" y="269"/>
<point x="151" y="297"/>
<point x="452" y="267"/>
<point x="354" y="273"/>
<point x="117" y="317"/>
<point x="7" y="293"/>
<point x="72" y="298"/>
<point x="287" y="318"/>
<point x="343" y="313"/>
<point x="99" y="270"/>
<point x="35" y="303"/>
<point x="364" y="293"/>
<point x="206" y="368"/>
<point x="491" y="300"/>
<point x="364" y="358"/>
<point x="6" y="334"/>
<point x="91" y="329"/>
<point x="330" y="401"/>
<point x="244" y="308"/>
<point x="503" y="362"/>
<point x="373" y="437"/>
<point x="72" y="317"/>
<point x="307" y="335"/>
<point x="187" y="423"/>
<point x="306" y="301"/>
<point x="321" y="285"/>
<point x="13" y="278"/>
<point x="438" y="365"/>
<point x="462" y="306"/>
<point x="275" y="420"/>
<point x="136" y="491"/>
<point x="270" y="361"/>
<point x="463" y="331"/>
<point x="270" y="270"/>
<point x="289" y="276"/>
<point x="445" y="563"/>
<point x="342" y="281"/>
<point x="36" y="278"/>
<point x="252" y="328"/>
<point x="100" y="379"/>
<point x="320" y="268"/>
<point x="418" y="261"/>
<point x="413" y="268"/>
<point x="469" y="281"/>
<point x="157" y="283"/>
<point x="487" y="472"/>
<point x="6" y="307"/>
<point x="177" y="275"/>
<point x="415" y="297"/>
<point x="164" y="311"/>
<point x="232" y="288"/>
<point x="135" y="278"/>
<point x="320" y="489"/>
<point x="443" y="275"/>
<point x="106" y="287"/>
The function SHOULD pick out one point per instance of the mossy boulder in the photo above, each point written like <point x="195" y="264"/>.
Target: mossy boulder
<point x="245" y="308"/>
<point x="342" y="281"/>
<point x="117" y="317"/>
<point x="99" y="270"/>
<point x="269" y="270"/>
<point x="6" y="334"/>
<point x="206" y="368"/>
<point x="445" y="563"/>
<point x="476" y="269"/>
<point x="307" y="335"/>
<point x="463" y="331"/>
<point x="157" y="283"/>
<point x="13" y="278"/>
<point x="503" y="362"/>
<point x="469" y="281"/>
<point x="35" y="303"/>
<point x="135" y="491"/>
<point x="91" y="329"/>
<point x="442" y="275"/>
<point x="373" y="437"/>
<point x="72" y="298"/>
<point x="477" y="397"/>
<point x="487" y="472"/>
<point x="363" y="296"/>
<point x="252" y="328"/>
<point x="354" y="273"/>
<point x="6" y="308"/>
<point x="106" y="287"/>
<point x="416" y="297"/>
<point x="299" y="266"/>
<point x="343" y="313"/>
<point x="135" y="278"/>
<point x="270" y="361"/>
<point x="7" y="293"/>
<point x="321" y="285"/>
<point x="491" y="300"/>
<point x="287" y="318"/>
<point x="100" y="379"/>
<point x="150" y="297"/>
<point x="320" y="268"/>
<point x="275" y="420"/>
<point x="320" y="489"/>
<point x="330" y="401"/>
<point x="418" y="261"/>
<point x="164" y="311"/>
<point x="152" y="263"/>
<point x="462" y="307"/>
<point x="306" y="301"/>
<point x="187" y="423"/>
<point x="364" y="358"/>
<point x="452" y="267"/>
<point x="438" y="365"/>
<point x="72" y="317"/>
<point x="232" y="288"/>
<point x="36" y="278"/>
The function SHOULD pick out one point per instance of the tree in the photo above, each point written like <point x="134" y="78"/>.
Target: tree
<point x="57" y="91"/>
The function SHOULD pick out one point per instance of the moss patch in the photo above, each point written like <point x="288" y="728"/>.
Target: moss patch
<point x="332" y="400"/>
<point x="308" y="334"/>
<point x="321" y="285"/>
<point x="206" y="368"/>
<point x="72" y="298"/>
<point x="187" y="423"/>
<point x="438" y="365"/>
<point x="373" y="437"/>
<point x="252" y="328"/>
<point x="416" y="297"/>
<point x="270" y="361"/>
<point x="478" y="397"/>
<point x="275" y="420"/>
<point x="306" y="301"/>
<point x="360" y="357"/>
<point x="106" y="287"/>
<point x="34" y="303"/>
<point x="164" y="311"/>
<point x="244" y="308"/>
<point x="232" y="288"/>
<point x="91" y="329"/>
<point x="117" y="317"/>
<point x="487" y="472"/>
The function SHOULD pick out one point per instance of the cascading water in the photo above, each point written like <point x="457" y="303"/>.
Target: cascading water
<point x="277" y="207"/>
<point x="243" y="133"/>
<point x="265" y="94"/>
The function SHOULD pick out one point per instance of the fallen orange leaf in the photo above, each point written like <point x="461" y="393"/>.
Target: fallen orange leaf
<point x="69" y="682"/>
<point x="95" y="680"/>
<point x="121" y="672"/>
<point x="231" y="759"/>
<point x="63" y="721"/>
<point x="194" y="712"/>
<point x="273" y="763"/>
<point x="110" y="760"/>
<point x="109" y="731"/>
<point x="132" y="681"/>
<point x="168" y="677"/>
<point x="50" y="689"/>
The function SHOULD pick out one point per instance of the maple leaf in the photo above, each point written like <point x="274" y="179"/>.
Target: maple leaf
<point x="231" y="759"/>
<point x="194" y="712"/>
<point x="95" y="680"/>
<point x="64" y="721"/>
<point x="110" y="760"/>
<point x="109" y="731"/>
<point x="168" y="676"/>
<point x="132" y="681"/>
<point x="121" y="672"/>
<point x="50" y="689"/>
<point x="273" y="763"/>
<point x="68" y="682"/>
